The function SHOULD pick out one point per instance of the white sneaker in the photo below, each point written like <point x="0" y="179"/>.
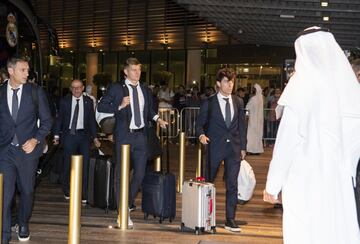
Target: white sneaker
<point x="130" y="223"/>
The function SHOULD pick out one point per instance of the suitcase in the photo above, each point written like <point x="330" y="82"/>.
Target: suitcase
<point x="92" y="163"/>
<point x="159" y="193"/>
<point x="101" y="188"/>
<point x="198" y="206"/>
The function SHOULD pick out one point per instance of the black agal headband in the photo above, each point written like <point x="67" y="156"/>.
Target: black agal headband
<point x="309" y="31"/>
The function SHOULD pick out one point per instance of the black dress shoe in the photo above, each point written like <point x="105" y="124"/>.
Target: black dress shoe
<point x="278" y="206"/>
<point x="232" y="226"/>
<point x="132" y="207"/>
<point x="24" y="233"/>
<point x="241" y="202"/>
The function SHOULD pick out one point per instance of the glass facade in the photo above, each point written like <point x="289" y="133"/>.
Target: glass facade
<point x="70" y="66"/>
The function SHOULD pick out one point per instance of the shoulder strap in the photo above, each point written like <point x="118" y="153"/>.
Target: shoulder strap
<point x="126" y="93"/>
<point x="35" y="97"/>
<point x="209" y="111"/>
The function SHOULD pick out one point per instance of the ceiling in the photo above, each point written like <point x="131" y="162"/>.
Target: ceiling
<point x="276" y="22"/>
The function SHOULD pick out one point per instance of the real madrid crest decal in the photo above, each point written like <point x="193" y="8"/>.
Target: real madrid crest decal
<point x="11" y="31"/>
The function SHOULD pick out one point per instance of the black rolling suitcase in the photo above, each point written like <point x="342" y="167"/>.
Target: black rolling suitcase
<point x="101" y="188"/>
<point x="159" y="193"/>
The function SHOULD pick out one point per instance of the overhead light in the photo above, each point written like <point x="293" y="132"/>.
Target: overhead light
<point x="324" y="4"/>
<point x="326" y="18"/>
<point x="240" y="31"/>
<point x="246" y="70"/>
<point x="287" y="16"/>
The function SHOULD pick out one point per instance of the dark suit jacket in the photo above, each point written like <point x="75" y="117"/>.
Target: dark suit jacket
<point x="25" y="126"/>
<point x="110" y="102"/>
<point x="64" y="117"/>
<point x="217" y="130"/>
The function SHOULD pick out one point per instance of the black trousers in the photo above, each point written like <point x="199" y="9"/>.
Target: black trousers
<point x="18" y="170"/>
<point x="232" y="168"/>
<point x="137" y="142"/>
<point x="78" y="144"/>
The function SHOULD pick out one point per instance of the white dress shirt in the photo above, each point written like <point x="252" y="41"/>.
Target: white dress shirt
<point x="222" y="104"/>
<point x="80" y="121"/>
<point x="141" y="104"/>
<point x="10" y="95"/>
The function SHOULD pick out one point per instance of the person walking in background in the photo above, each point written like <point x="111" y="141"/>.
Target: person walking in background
<point x="21" y="142"/>
<point x="75" y="125"/>
<point x="256" y="122"/>
<point x="133" y="110"/>
<point x="316" y="150"/>
<point x="221" y="125"/>
<point x="88" y="92"/>
<point x="273" y="121"/>
<point x="240" y="92"/>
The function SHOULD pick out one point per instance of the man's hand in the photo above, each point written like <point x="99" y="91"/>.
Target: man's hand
<point x="56" y="141"/>
<point x="243" y="154"/>
<point x="204" y="139"/>
<point x="97" y="142"/>
<point x="162" y="123"/>
<point x="110" y="137"/>
<point x="125" y="102"/>
<point x="29" y="145"/>
<point x="267" y="197"/>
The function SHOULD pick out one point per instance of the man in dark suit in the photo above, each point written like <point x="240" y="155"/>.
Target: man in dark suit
<point x="221" y="125"/>
<point x="76" y="126"/>
<point x="21" y="142"/>
<point x="131" y="122"/>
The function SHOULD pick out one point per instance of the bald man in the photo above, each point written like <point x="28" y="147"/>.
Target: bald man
<point x="75" y="125"/>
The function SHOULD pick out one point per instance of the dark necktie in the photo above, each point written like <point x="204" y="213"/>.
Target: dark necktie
<point x="227" y="113"/>
<point x="136" y="106"/>
<point x="75" y="118"/>
<point x="14" y="112"/>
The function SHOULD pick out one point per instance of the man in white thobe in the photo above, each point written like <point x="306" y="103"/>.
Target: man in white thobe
<point x="317" y="146"/>
<point x="255" y="128"/>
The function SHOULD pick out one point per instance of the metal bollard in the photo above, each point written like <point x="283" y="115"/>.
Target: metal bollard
<point x="75" y="199"/>
<point x="181" y="162"/>
<point x="157" y="164"/>
<point x="124" y="188"/>
<point x="198" y="167"/>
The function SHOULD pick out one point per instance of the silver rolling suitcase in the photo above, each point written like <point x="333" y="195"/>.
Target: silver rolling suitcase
<point x="198" y="207"/>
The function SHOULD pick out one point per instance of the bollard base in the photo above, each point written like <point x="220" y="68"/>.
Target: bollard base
<point x="119" y="228"/>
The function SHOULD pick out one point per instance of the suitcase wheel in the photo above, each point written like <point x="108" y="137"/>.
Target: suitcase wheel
<point x="213" y="230"/>
<point x="197" y="231"/>
<point x="161" y="220"/>
<point x="170" y="220"/>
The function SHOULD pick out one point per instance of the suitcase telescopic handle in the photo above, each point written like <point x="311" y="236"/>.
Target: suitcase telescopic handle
<point x="167" y="149"/>
<point x="206" y="161"/>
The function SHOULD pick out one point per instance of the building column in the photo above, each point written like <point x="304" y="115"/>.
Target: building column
<point x="91" y="70"/>
<point x="193" y="67"/>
